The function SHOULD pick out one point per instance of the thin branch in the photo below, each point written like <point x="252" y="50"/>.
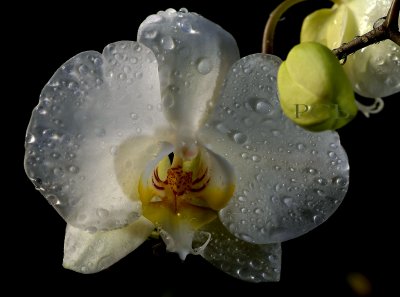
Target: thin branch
<point x="274" y="17"/>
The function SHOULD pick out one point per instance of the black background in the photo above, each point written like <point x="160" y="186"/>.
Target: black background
<point x="357" y="238"/>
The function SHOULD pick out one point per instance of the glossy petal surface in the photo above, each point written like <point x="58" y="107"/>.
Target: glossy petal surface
<point x="93" y="104"/>
<point x="194" y="55"/>
<point x="86" y="252"/>
<point x="240" y="259"/>
<point x="288" y="180"/>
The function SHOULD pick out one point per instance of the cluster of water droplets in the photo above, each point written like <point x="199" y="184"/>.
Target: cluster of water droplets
<point x="192" y="53"/>
<point x="90" y="106"/>
<point x="288" y="180"/>
<point x="250" y="262"/>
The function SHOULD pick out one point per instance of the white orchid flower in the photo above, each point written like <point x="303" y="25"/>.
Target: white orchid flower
<point x="375" y="70"/>
<point x="243" y="177"/>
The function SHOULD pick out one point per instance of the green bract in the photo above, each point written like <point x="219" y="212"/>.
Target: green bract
<point x="314" y="91"/>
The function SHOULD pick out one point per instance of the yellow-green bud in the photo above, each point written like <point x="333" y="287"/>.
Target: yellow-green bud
<point x="313" y="89"/>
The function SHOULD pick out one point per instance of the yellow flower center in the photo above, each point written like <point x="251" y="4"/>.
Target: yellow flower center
<point x="181" y="197"/>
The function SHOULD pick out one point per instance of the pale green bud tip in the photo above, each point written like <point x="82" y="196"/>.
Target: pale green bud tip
<point x="314" y="90"/>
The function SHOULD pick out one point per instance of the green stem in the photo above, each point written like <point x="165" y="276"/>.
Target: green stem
<point x="274" y="17"/>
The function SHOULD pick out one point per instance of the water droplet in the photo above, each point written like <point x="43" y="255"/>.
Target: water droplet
<point x="300" y="146"/>
<point x="58" y="171"/>
<point x="167" y="43"/>
<point x="53" y="200"/>
<point x="151" y="34"/>
<point x="247" y="70"/>
<point x="331" y="154"/>
<point x="318" y="219"/>
<point x="322" y="181"/>
<point x="183" y="10"/>
<point x="239" y="138"/>
<point x="134" y="116"/>
<point x="244" y="155"/>
<point x="186" y="26"/>
<point x="279" y="186"/>
<point x="312" y="171"/>
<point x="263" y="107"/>
<point x="379" y="22"/>
<point x="275" y="132"/>
<point x="204" y="66"/>
<point x="83" y="69"/>
<point x="241" y="198"/>
<point x="258" y="211"/>
<point x="55" y="155"/>
<point x="91" y="229"/>
<point x="170" y="11"/>
<point x="102" y="213"/>
<point x="379" y="61"/>
<point x="73" y="169"/>
<point x="246" y="237"/>
<point x="139" y="75"/>
<point x="168" y="101"/>
<point x="273" y="258"/>
<point x="256" y="264"/>
<point x="122" y="76"/>
<point x="288" y="201"/>
<point x="256" y="158"/>
<point x="30" y="138"/>
<point x="340" y="181"/>
<point x="113" y="150"/>
<point x="221" y="128"/>
<point x="149" y="107"/>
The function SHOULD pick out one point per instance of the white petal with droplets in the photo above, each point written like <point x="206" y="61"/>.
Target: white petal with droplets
<point x="288" y="180"/>
<point x="240" y="259"/>
<point x="93" y="104"/>
<point x="194" y="55"/>
<point x="375" y="70"/>
<point x="92" y="252"/>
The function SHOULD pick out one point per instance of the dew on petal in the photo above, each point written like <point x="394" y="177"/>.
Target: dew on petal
<point x="167" y="43"/>
<point x="204" y="66"/>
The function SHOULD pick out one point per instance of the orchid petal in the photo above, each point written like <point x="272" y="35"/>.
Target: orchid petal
<point x="86" y="252"/>
<point x="375" y="70"/>
<point x="240" y="259"/>
<point x="91" y="105"/>
<point x="194" y="55"/>
<point x="289" y="180"/>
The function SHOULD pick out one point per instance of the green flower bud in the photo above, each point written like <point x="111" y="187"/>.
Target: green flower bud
<point x="313" y="89"/>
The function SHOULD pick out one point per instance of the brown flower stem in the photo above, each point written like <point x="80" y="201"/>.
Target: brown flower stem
<point x="274" y="17"/>
<point x="387" y="30"/>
